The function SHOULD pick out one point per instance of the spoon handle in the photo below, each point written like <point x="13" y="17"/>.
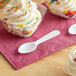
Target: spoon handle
<point x="48" y="36"/>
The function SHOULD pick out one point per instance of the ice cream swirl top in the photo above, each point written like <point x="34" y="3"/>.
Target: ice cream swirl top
<point x="22" y="12"/>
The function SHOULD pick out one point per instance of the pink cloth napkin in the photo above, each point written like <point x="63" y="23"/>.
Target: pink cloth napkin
<point x="9" y="43"/>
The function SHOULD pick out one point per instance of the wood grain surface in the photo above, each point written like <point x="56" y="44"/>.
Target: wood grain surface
<point x="49" y="66"/>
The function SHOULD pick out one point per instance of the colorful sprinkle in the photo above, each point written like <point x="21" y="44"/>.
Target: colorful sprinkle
<point x="29" y="22"/>
<point x="15" y="10"/>
<point x="74" y="12"/>
<point x="66" y="11"/>
<point x="20" y="25"/>
<point x="28" y="7"/>
<point x="37" y="18"/>
<point x="69" y="13"/>
<point x="29" y="32"/>
<point x="26" y="32"/>
<point x="12" y="9"/>
<point x="28" y="4"/>
<point x="74" y="59"/>
<point x="52" y="1"/>
<point x="22" y="14"/>
<point x="57" y="3"/>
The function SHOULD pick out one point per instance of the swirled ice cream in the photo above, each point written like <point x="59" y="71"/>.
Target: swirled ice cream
<point x="70" y="66"/>
<point x="22" y="16"/>
<point x="63" y="8"/>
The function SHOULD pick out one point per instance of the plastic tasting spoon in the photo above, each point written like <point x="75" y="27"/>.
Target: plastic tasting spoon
<point x="72" y="29"/>
<point x="31" y="46"/>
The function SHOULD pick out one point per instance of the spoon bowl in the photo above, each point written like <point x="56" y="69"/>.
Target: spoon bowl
<point x="72" y="29"/>
<point x="27" y="47"/>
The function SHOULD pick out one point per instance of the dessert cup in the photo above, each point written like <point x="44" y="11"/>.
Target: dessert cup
<point x="70" y="64"/>
<point x="21" y="29"/>
<point x="63" y="8"/>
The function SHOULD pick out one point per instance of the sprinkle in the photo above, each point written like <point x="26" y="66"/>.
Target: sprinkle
<point x="15" y="10"/>
<point x="29" y="1"/>
<point x="52" y="1"/>
<point x="23" y="32"/>
<point x="26" y="32"/>
<point x="28" y="4"/>
<point x="74" y="59"/>
<point x="57" y="3"/>
<point x="29" y="32"/>
<point x="21" y="25"/>
<point x="29" y="22"/>
<point x="46" y="1"/>
<point x="8" y="10"/>
<point x="25" y="1"/>
<point x="37" y="18"/>
<point x="69" y="12"/>
<point x="28" y="7"/>
<point x="22" y="14"/>
<point x="26" y="29"/>
<point x="74" y="12"/>
<point x="66" y="11"/>
<point x="12" y="9"/>
<point x="48" y="4"/>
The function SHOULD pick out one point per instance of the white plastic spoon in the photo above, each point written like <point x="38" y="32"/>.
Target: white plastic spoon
<point x="31" y="46"/>
<point x="72" y="29"/>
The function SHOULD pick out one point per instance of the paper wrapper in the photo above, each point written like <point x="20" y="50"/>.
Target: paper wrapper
<point x="70" y="66"/>
<point x="56" y="11"/>
<point x="25" y="31"/>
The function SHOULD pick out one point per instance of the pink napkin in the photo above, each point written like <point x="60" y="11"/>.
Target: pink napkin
<point x="9" y="43"/>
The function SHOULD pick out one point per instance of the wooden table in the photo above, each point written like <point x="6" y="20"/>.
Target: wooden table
<point x="49" y="66"/>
